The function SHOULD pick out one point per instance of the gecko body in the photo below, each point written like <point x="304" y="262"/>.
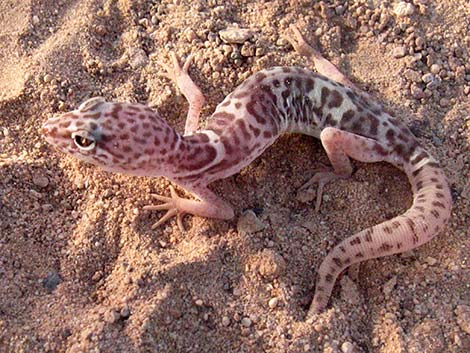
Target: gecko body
<point x="133" y="139"/>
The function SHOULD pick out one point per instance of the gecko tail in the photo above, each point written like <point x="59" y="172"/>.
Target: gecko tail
<point x="427" y="216"/>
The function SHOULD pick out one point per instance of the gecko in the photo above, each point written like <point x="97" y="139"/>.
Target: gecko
<point x="133" y="139"/>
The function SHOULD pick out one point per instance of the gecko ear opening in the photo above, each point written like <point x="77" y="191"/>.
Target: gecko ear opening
<point x="84" y="140"/>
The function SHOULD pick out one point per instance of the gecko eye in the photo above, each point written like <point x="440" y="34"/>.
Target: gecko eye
<point x="84" y="140"/>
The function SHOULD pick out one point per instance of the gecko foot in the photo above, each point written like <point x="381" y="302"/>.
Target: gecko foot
<point x="170" y="204"/>
<point x="322" y="176"/>
<point x="174" y="71"/>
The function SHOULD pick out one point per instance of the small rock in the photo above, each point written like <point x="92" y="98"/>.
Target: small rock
<point x="431" y="261"/>
<point x="225" y="321"/>
<point x="249" y="223"/>
<point x="125" y="312"/>
<point x="444" y="102"/>
<point x="388" y="287"/>
<point x="235" y="35"/>
<point x="271" y="265"/>
<point x="403" y="9"/>
<point x="347" y="347"/>
<point x="35" y="20"/>
<point x="426" y="78"/>
<point x="47" y="78"/>
<point x="435" y="68"/>
<point x="138" y="59"/>
<point x="416" y="91"/>
<point x="111" y="316"/>
<point x="199" y="302"/>
<point x="273" y="302"/>
<point x="51" y="281"/>
<point x="412" y="75"/>
<point x="306" y="195"/>
<point x="41" y="181"/>
<point x="463" y="317"/>
<point x="246" y="321"/>
<point x="399" y="52"/>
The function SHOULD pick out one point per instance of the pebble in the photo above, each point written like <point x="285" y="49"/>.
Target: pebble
<point x="403" y="9"/>
<point x="47" y="78"/>
<point x="51" y="281"/>
<point x="125" y="312"/>
<point x="427" y="77"/>
<point x="35" y="19"/>
<point x="235" y="35"/>
<point x="199" y="302"/>
<point x="249" y="223"/>
<point x="273" y="302"/>
<point x="347" y="347"/>
<point x="416" y="91"/>
<point x="431" y="261"/>
<point x="225" y="321"/>
<point x="271" y="265"/>
<point x="466" y="90"/>
<point x="399" y="52"/>
<point x="246" y="322"/>
<point x="139" y="59"/>
<point x="463" y="317"/>
<point x="41" y="181"/>
<point x="435" y="68"/>
<point x="412" y="75"/>
<point x="111" y="316"/>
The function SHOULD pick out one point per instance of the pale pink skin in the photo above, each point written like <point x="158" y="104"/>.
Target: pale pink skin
<point x="133" y="139"/>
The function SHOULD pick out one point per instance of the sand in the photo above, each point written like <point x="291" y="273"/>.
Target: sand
<point x="81" y="270"/>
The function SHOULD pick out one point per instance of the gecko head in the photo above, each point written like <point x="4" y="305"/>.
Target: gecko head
<point x="121" y="137"/>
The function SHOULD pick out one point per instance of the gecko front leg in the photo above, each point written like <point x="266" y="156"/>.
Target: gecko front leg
<point x="209" y="205"/>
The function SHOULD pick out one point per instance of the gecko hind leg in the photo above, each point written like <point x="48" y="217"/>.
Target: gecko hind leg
<point x="323" y="66"/>
<point x="339" y="145"/>
<point x="180" y="76"/>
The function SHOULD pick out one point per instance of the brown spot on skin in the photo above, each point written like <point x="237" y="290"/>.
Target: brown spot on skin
<point x="65" y="124"/>
<point x="396" y="224"/>
<point x="390" y="135"/>
<point x="416" y="172"/>
<point x="438" y="204"/>
<point x="309" y="84"/>
<point x="260" y="76"/>
<point x="399" y="245"/>
<point x="439" y="186"/>
<point x="368" y="235"/>
<point x="347" y="116"/>
<point x="329" y="278"/>
<point x="359" y="255"/>
<point x="433" y="165"/>
<point x="435" y="213"/>
<point x="126" y="149"/>
<point x="329" y="121"/>
<point x="412" y="226"/>
<point x="156" y="141"/>
<point x="440" y="195"/>
<point x="385" y="247"/>
<point x="238" y="105"/>
<point x="336" y="99"/>
<point x="387" y="230"/>
<point x="373" y="124"/>
<point x="276" y="83"/>
<point x="347" y="261"/>
<point x="418" y="158"/>
<point x="337" y="261"/>
<point x="380" y="150"/>
<point x="325" y="92"/>
<point x="419" y="185"/>
<point x="342" y="249"/>
<point x="355" y="241"/>
<point x="225" y="103"/>
<point x="420" y="208"/>
<point x="267" y="134"/>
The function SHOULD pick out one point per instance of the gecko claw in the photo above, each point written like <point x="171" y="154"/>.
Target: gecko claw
<point x="170" y="204"/>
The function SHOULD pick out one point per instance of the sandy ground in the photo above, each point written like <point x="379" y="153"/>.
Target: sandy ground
<point x="82" y="271"/>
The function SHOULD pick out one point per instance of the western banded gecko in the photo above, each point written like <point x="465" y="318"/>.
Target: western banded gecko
<point x="133" y="139"/>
